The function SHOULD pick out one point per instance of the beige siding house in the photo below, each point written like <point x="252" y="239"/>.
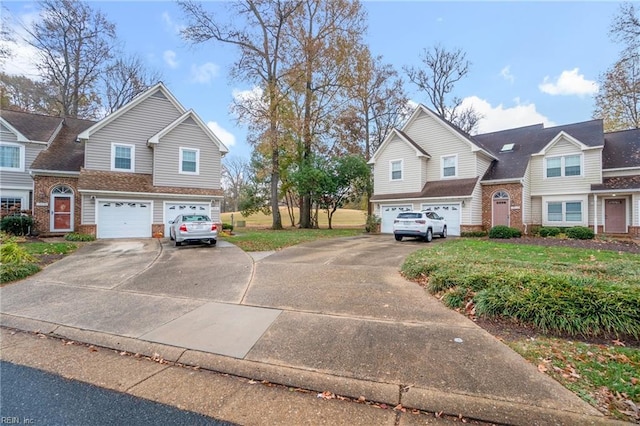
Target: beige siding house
<point x="129" y="174"/>
<point x="525" y="178"/>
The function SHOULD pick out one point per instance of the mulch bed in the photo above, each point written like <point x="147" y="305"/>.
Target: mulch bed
<point x="627" y="246"/>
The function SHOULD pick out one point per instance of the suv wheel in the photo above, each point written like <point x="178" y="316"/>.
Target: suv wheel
<point x="429" y="236"/>
<point x="398" y="237"/>
<point x="444" y="233"/>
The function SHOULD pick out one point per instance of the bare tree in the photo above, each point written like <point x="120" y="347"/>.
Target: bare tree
<point x="5" y="36"/>
<point x="20" y="93"/>
<point x="442" y="70"/>
<point x="234" y="177"/>
<point x="75" y="44"/>
<point x="258" y="35"/>
<point x="617" y="102"/>
<point x="124" y="79"/>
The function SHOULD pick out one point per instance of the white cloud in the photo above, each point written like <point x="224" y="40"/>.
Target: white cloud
<point x="23" y="57"/>
<point x="569" y="83"/>
<point x="253" y="94"/>
<point x="226" y="137"/>
<point x="501" y="118"/>
<point x="204" y="73"/>
<point x="506" y="74"/>
<point x="169" y="57"/>
<point x="170" y="24"/>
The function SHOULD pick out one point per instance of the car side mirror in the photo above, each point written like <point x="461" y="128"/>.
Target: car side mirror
<point x="170" y="222"/>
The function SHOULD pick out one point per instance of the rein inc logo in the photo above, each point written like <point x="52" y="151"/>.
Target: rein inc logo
<point x="15" y="420"/>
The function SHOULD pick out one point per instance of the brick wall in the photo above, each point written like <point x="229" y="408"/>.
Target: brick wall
<point x="43" y="185"/>
<point x="515" y="197"/>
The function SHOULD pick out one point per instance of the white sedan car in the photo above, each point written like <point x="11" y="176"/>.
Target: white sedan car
<point x="193" y="227"/>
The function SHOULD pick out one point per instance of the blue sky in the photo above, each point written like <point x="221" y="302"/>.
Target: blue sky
<point x="532" y="62"/>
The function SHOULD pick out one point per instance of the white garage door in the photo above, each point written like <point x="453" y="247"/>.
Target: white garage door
<point x="451" y="213"/>
<point x="171" y="210"/>
<point x="124" y="219"/>
<point x="389" y="213"/>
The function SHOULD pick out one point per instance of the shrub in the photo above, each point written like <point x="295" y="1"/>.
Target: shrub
<point x="11" y="252"/>
<point x="74" y="236"/>
<point x="549" y="231"/>
<point x="16" y="271"/>
<point x="16" y="225"/>
<point x="579" y="233"/>
<point x="473" y="234"/>
<point x="504" y="232"/>
<point x="227" y="227"/>
<point x="372" y="223"/>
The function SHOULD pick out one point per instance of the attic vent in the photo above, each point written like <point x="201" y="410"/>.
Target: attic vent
<point x="507" y="147"/>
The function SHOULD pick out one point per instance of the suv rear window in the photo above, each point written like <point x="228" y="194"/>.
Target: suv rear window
<point x="410" y="216"/>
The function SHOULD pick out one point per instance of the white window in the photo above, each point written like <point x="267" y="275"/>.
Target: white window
<point x="12" y="157"/>
<point x="123" y="157"/>
<point x="396" y="170"/>
<point x="564" y="212"/>
<point x="449" y="166"/>
<point x="189" y="161"/>
<point x="568" y="165"/>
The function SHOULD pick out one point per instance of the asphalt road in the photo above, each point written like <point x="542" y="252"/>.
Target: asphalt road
<point x="30" y="396"/>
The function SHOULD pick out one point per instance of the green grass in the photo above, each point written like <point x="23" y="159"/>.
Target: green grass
<point x="49" y="248"/>
<point x="608" y="377"/>
<point x="21" y="260"/>
<point x="554" y="289"/>
<point x="249" y="239"/>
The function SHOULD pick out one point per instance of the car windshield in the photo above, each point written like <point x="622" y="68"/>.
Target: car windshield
<point x="409" y="215"/>
<point x="195" y="218"/>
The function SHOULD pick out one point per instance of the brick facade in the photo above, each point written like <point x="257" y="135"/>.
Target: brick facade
<point x="515" y="199"/>
<point x="43" y="185"/>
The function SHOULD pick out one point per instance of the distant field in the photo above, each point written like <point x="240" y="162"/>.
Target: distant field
<point x="343" y="218"/>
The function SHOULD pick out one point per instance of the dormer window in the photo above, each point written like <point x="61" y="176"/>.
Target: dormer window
<point x="566" y="165"/>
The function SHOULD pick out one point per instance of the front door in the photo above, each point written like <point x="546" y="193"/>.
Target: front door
<point x="501" y="209"/>
<point x="61" y="209"/>
<point x="615" y="217"/>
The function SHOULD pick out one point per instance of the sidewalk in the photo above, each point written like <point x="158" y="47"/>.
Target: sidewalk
<point x="327" y="316"/>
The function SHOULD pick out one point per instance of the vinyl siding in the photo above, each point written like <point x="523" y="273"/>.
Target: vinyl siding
<point x="412" y="169"/>
<point x="167" y="158"/>
<point x="88" y="207"/>
<point x="133" y="128"/>
<point x="482" y="164"/>
<point x="536" y="210"/>
<point x="438" y="140"/>
<point x="526" y="197"/>
<point x="21" y="180"/>
<point x="472" y="211"/>
<point x="591" y="172"/>
<point x="635" y="220"/>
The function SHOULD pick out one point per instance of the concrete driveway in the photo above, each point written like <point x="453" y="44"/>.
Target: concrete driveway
<point x="328" y="315"/>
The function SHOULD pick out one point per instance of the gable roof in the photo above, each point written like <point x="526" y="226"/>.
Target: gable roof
<point x="64" y="153"/>
<point x="189" y="114"/>
<point x="455" y="130"/>
<point x="157" y="89"/>
<point x="30" y="127"/>
<point x="420" y="152"/>
<point x="621" y="149"/>
<point x="531" y="140"/>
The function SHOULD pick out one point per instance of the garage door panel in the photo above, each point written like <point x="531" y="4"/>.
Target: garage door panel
<point x="389" y="213"/>
<point x="451" y="213"/>
<point x="124" y="219"/>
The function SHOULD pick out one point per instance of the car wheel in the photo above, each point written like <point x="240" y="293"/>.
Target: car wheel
<point x="444" y="232"/>
<point x="398" y="237"/>
<point x="429" y="236"/>
<point x="170" y="235"/>
<point x="178" y="243"/>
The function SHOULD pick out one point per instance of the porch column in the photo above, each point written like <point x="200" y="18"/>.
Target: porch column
<point x="595" y="213"/>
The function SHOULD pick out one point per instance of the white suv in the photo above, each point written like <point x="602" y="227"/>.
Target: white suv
<point x="419" y="224"/>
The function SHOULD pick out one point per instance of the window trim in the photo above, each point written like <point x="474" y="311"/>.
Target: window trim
<point x="21" y="151"/>
<point x="442" y="159"/>
<point x="564" y="221"/>
<point x="563" y="166"/>
<point x="401" y="162"/>
<point x="181" y="161"/>
<point x="113" y="157"/>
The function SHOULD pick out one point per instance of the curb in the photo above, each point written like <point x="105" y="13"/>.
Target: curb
<point x="392" y="394"/>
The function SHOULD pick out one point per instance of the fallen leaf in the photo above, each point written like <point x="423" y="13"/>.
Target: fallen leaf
<point x="92" y="349"/>
<point x="362" y="399"/>
<point x="618" y="343"/>
<point x="634" y="381"/>
<point x="542" y="368"/>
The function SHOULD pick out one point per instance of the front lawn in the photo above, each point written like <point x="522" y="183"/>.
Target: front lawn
<point x="565" y="294"/>
<point x="253" y="239"/>
<point x="21" y="258"/>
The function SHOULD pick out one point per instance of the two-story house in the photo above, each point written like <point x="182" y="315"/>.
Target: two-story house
<point x="129" y="174"/>
<point x="526" y="177"/>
